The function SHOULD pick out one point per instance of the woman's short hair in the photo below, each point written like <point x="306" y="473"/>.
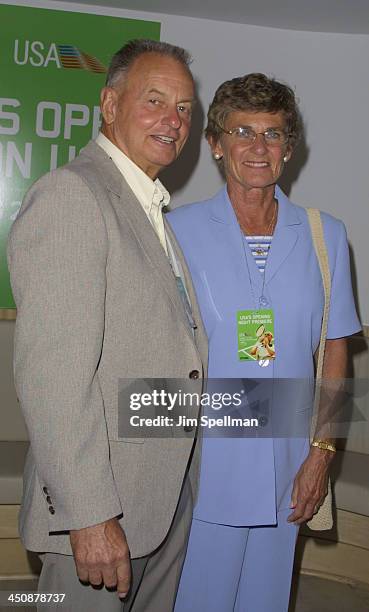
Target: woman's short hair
<point x="254" y="92"/>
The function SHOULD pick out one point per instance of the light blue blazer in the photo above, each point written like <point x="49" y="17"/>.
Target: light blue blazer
<point x="246" y="482"/>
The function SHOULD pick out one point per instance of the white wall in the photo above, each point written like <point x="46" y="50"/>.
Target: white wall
<point x="329" y="73"/>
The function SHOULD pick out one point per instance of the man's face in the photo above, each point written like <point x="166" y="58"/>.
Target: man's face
<point x="148" y="116"/>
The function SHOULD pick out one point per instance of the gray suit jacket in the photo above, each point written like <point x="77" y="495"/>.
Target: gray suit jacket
<point x="97" y="301"/>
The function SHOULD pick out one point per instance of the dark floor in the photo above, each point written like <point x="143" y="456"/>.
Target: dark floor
<point x="309" y="594"/>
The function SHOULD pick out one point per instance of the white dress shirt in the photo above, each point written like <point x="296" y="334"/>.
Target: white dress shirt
<point x="152" y="195"/>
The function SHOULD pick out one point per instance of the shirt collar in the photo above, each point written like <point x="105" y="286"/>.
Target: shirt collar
<point x="150" y="193"/>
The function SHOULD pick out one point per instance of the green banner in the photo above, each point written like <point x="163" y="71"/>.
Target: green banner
<point x="52" y="66"/>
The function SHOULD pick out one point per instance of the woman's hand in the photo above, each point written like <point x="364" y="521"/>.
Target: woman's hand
<point x="310" y="485"/>
<point x="311" y="482"/>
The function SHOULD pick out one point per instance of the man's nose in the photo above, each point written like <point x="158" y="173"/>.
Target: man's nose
<point x="172" y="117"/>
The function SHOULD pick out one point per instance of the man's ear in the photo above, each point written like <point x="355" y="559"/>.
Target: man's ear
<point x="287" y="155"/>
<point x="108" y="104"/>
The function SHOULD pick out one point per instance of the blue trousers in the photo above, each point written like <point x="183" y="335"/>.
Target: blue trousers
<point x="238" y="569"/>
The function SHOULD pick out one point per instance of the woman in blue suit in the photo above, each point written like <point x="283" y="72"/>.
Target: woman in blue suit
<point x="250" y="253"/>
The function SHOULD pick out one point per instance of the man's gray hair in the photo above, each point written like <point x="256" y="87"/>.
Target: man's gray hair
<point x="123" y="59"/>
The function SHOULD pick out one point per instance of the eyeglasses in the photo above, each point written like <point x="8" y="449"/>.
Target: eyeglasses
<point x="272" y="137"/>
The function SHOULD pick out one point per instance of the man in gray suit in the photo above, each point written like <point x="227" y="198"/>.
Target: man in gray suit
<point x="96" y="274"/>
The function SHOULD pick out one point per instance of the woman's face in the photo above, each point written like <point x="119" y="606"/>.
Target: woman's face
<point x="256" y="165"/>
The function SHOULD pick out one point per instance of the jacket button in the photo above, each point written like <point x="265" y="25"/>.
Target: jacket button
<point x="195" y="374"/>
<point x="51" y="510"/>
<point x="188" y="428"/>
<point x="48" y="499"/>
<point x="45" y="490"/>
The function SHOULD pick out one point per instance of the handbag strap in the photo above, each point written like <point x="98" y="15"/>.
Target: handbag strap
<point x="320" y="247"/>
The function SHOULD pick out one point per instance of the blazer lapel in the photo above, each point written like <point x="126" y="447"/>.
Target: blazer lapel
<point x="237" y="248"/>
<point x="129" y="209"/>
<point x="284" y="239"/>
<point x="156" y="257"/>
<point x="202" y="343"/>
<point x="285" y="235"/>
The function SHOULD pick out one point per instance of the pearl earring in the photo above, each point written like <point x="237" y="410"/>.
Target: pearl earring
<point x="285" y="159"/>
<point x="217" y="156"/>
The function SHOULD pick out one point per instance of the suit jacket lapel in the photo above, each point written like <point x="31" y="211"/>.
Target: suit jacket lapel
<point x="201" y="337"/>
<point x="285" y="235"/>
<point x="284" y="239"/>
<point x="129" y="209"/>
<point x="240" y="253"/>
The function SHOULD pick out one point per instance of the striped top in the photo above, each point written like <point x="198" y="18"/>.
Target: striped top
<point x="260" y="246"/>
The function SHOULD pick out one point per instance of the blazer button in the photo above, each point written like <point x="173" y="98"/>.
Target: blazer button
<point x="188" y="428"/>
<point x="48" y="499"/>
<point x="45" y="490"/>
<point x="195" y="374"/>
<point x="51" y="510"/>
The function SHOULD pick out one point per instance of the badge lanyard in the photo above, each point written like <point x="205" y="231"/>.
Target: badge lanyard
<point x="262" y="302"/>
<point x="180" y="280"/>
<point x="249" y="322"/>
